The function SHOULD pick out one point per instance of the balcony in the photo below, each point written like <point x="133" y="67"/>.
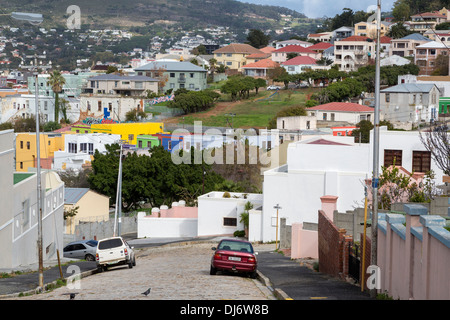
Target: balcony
<point x="181" y="80"/>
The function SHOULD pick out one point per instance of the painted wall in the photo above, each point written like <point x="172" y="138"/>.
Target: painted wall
<point x="213" y="208"/>
<point x="165" y="227"/>
<point x="91" y="207"/>
<point x="26" y="158"/>
<point x="129" y="131"/>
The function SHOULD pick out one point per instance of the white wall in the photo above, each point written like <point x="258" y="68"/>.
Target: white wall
<point x="165" y="227"/>
<point x="213" y="208"/>
<point x="313" y="171"/>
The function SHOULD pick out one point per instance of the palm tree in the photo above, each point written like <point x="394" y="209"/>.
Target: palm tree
<point x="57" y="82"/>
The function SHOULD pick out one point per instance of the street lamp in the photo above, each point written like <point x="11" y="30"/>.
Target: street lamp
<point x="276" y="239"/>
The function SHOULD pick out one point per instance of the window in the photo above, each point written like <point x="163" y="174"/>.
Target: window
<point x="91" y="148"/>
<point x="28" y="145"/>
<point x="387" y="97"/>
<point x="99" y="106"/>
<point x="172" y="74"/>
<point x="421" y="161"/>
<point x="131" y="137"/>
<point x="191" y="75"/>
<point x="139" y="85"/>
<point x="140" y="144"/>
<point x="72" y="147"/>
<point x="169" y="145"/>
<point x="21" y="144"/>
<point x="324" y="116"/>
<point x="21" y="165"/>
<point x="229" y="63"/>
<point x="391" y="156"/>
<point x="332" y="117"/>
<point x="191" y="86"/>
<point x="83" y="147"/>
<point x="230" y="222"/>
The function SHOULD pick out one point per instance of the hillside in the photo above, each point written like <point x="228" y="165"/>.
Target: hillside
<point x="117" y="13"/>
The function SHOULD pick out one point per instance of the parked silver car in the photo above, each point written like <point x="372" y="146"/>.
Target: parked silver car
<point x="84" y="249"/>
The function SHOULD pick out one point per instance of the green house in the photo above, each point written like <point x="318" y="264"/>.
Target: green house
<point x="444" y="105"/>
<point x="147" y="141"/>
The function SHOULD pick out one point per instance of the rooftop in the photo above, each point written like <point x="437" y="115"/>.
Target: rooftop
<point x="357" y="38"/>
<point x="410" y="88"/>
<point x="116" y="77"/>
<point x="20" y="176"/>
<point x="343" y="107"/>
<point x="170" y="66"/>
<point x="299" y="60"/>
<point x="73" y="195"/>
<point x="262" y="64"/>
<point x="295" y="48"/>
<point x="237" y="48"/>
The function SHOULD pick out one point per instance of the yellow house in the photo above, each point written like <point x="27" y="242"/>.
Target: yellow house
<point x="367" y="29"/>
<point x="234" y="55"/>
<point x="129" y="131"/>
<point x="26" y="151"/>
<point x="90" y="206"/>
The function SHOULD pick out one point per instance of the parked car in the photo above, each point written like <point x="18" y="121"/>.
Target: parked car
<point x="235" y="256"/>
<point x="85" y="249"/>
<point x="273" y="87"/>
<point x="113" y="252"/>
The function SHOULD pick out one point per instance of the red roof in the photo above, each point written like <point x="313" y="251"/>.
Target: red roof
<point x="385" y="39"/>
<point x="299" y="60"/>
<point x="320" y="46"/>
<point x="262" y="64"/>
<point x="343" y="107"/>
<point x="356" y="38"/>
<point x="328" y="142"/>
<point x="295" y="48"/>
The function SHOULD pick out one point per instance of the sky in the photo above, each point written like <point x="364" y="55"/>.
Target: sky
<point x="321" y="8"/>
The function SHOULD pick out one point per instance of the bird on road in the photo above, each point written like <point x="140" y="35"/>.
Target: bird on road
<point x="147" y="291"/>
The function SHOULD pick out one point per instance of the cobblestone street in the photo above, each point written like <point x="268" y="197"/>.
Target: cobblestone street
<point x="172" y="273"/>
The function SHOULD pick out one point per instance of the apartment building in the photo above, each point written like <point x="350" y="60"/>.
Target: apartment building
<point x="405" y="47"/>
<point x="233" y="56"/>
<point x="426" y="54"/>
<point x="353" y="52"/>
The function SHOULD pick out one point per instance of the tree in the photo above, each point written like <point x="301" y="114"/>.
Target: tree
<point x="401" y="11"/>
<point x="437" y="142"/>
<point x="256" y="38"/>
<point x="441" y="65"/>
<point x="56" y="81"/>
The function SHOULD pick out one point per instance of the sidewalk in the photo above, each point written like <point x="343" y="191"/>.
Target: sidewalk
<point x="290" y="280"/>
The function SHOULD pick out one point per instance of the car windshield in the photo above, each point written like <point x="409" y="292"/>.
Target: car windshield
<point x="110" y="243"/>
<point x="236" y="246"/>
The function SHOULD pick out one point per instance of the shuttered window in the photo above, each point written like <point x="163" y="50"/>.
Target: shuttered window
<point x="421" y="161"/>
<point x="392" y="155"/>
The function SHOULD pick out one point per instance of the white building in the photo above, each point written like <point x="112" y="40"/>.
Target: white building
<point x="79" y="149"/>
<point x="221" y="216"/>
<point x="333" y="166"/>
<point x="24" y="106"/>
<point x="19" y="214"/>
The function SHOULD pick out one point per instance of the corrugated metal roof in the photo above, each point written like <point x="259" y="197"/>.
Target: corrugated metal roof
<point x="73" y="195"/>
<point x="410" y="88"/>
<point x="116" y="77"/>
<point x="342" y="106"/>
<point x="170" y="66"/>
<point x="415" y="36"/>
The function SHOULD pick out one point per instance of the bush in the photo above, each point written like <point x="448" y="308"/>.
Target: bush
<point x="239" y="233"/>
<point x="226" y="195"/>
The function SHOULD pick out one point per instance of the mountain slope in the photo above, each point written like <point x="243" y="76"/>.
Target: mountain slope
<point x="111" y="13"/>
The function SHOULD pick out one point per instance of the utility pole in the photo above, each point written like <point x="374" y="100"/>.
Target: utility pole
<point x="376" y="149"/>
<point x="276" y="236"/>
<point x="118" y="210"/>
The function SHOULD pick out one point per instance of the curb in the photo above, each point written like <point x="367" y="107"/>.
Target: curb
<point x="278" y="293"/>
<point x="46" y="285"/>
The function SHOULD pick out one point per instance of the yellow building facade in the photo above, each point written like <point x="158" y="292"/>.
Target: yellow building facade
<point x="26" y="151"/>
<point x="129" y="131"/>
<point x="234" y="55"/>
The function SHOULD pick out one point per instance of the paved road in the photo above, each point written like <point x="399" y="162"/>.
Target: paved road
<point x="173" y="273"/>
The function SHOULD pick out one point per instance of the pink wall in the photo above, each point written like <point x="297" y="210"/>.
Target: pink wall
<point x="305" y="243"/>
<point x="176" y="212"/>
<point x="414" y="260"/>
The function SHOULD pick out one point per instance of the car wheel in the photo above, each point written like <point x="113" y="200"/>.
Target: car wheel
<point x="105" y="268"/>
<point x="89" y="257"/>
<point x="130" y="264"/>
<point x="100" y="269"/>
<point x="212" y="271"/>
<point x="134" y="261"/>
<point x="253" y="275"/>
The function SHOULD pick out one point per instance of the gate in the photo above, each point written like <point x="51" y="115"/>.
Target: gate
<point x="354" y="261"/>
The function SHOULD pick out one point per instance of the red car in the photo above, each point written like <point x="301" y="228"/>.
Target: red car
<point x="234" y="255"/>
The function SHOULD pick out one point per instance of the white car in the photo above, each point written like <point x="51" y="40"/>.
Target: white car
<point x="273" y="87"/>
<point x="113" y="252"/>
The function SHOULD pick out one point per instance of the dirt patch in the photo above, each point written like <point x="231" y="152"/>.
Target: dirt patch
<point x="219" y="109"/>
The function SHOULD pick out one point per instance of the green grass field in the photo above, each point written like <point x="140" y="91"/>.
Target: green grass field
<point x="250" y="112"/>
